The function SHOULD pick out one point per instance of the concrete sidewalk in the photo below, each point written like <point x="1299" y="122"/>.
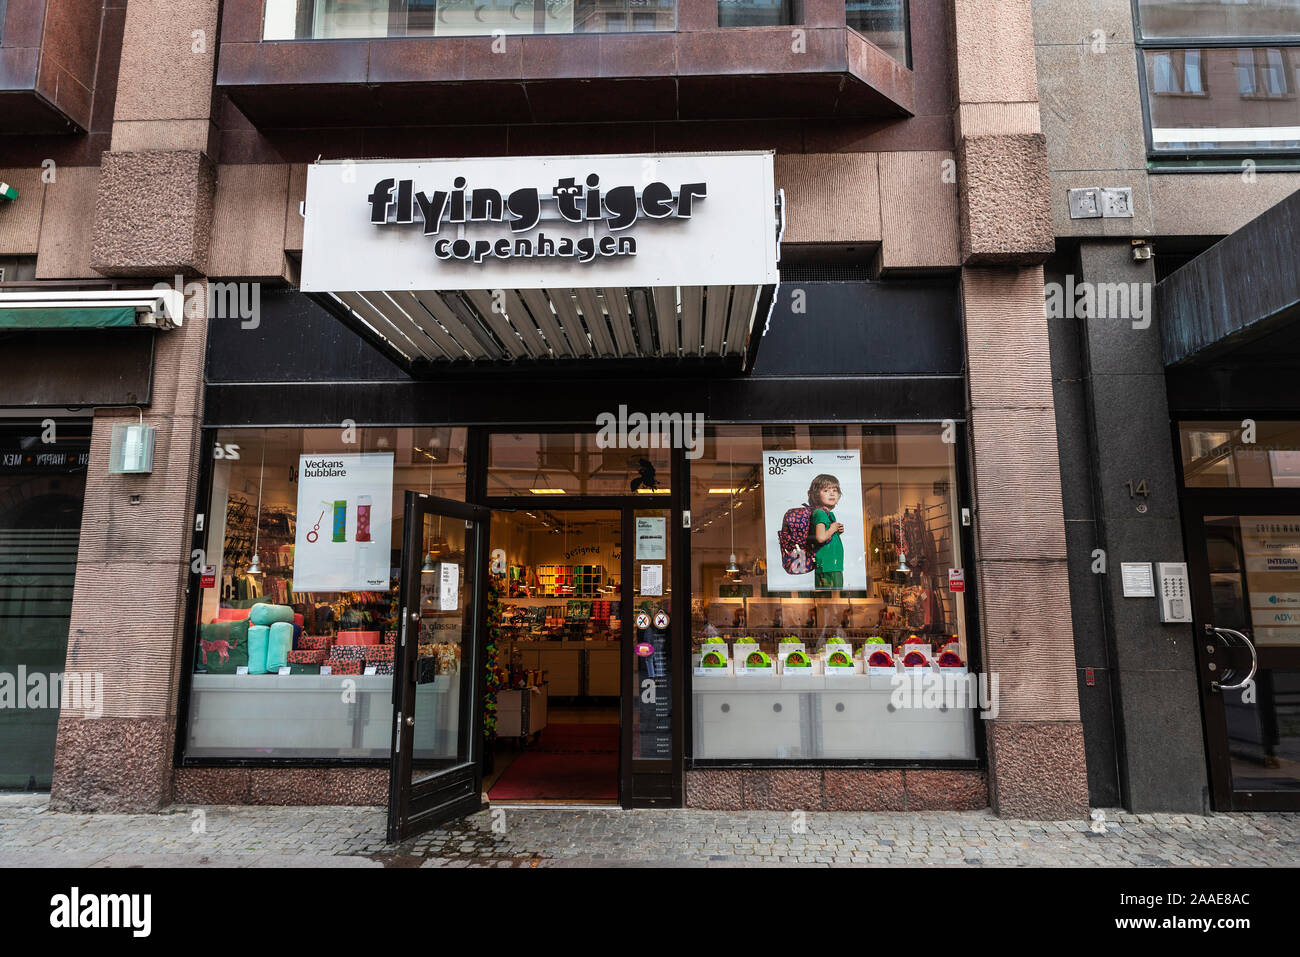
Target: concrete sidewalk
<point x="33" y="836"/>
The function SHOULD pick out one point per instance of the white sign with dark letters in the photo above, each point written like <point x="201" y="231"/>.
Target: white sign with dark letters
<point x="537" y="222"/>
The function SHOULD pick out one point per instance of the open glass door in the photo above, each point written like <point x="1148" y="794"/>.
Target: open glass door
<point x="1246" y="598"/>
<point x="437" y="680"/>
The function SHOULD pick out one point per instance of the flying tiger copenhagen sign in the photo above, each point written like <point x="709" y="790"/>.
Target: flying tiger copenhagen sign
<point x="535" y="222"/>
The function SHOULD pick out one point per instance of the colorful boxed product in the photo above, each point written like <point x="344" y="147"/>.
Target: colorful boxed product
<point x="233" y="614"/>
<point x="348" y="652"/>
<point x="384" y="668"/>
<point x="266" y="614"/>
<point x="223" y="647"/>
<point x="344" y="667"/>
<point x="379" y="653"/>
<point x="390" y="637"/>
<point x="303" y="669"/>
<point x="315" y="642"/>
<point x="308" y="657"/>
<point x="279" y="645"/>
<point x="258" y="637"/>
<point x="357" y="638"/>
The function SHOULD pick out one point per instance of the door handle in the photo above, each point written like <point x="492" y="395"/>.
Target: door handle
<point x="1250" y="645"/>
<point x="410" y="721"/>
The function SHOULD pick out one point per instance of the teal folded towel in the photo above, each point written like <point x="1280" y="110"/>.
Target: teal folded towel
<point x="279" y="646"/>
<point x="264" y="614"/>
<point x="259" y="637"/>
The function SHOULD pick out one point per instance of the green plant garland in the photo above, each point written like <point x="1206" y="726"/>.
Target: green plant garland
<point x="496" y="676"/>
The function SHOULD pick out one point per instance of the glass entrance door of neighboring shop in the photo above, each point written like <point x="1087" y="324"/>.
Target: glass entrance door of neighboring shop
<point x="1244" y="565"/>
<point x="437" y="681"/>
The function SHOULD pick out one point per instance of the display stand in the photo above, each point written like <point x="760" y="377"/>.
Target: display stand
<point x="521" y="713"/>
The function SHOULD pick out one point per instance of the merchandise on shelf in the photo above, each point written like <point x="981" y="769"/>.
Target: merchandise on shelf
<point x="713" y="659"/>
<point x="308" y="657"/>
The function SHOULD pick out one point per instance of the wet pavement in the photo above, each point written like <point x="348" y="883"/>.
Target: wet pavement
<point x="33" y="836"/>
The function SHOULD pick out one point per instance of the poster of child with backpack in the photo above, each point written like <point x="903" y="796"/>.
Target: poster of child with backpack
<point x="813" y="517"/>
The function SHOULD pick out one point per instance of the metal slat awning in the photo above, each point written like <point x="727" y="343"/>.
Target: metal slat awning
<point x="679" y="265"/>
<point x="666" y="323"/>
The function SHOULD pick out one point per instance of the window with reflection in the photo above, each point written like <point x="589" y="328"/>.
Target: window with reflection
<point x="820" y="583"/>
<point x="1226" y="455"/>
<point x="754" y="13"/>
<point x="1223" y="99"/>
<point x="883" y="22"/>
<point x="299" y="586"/>
<point x="1171" y="19"/>
<point x="1212" y="97"/>
<point x="335" y="19"/>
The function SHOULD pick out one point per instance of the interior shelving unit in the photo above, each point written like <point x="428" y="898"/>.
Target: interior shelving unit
<point x="570" y="581"/>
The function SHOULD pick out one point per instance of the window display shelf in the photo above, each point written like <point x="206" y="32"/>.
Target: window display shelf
<point x="822" y="717"/>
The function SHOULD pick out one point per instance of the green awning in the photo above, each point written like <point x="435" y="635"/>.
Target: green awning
<point x="61" y="317"/>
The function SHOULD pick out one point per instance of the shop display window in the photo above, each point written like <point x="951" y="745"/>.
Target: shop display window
<point x="821" y="572"/>
<point x="299" y="579"/>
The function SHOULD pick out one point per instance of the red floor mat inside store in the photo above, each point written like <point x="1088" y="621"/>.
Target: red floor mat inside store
<point x="570" y="738"/>
<point x="535" y="775"/>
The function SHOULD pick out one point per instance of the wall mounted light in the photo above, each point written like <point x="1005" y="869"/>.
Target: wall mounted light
<point x="131" y="452"/>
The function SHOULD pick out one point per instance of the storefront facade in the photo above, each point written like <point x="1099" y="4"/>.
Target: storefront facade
<point x="902" y="327"/>
<point x="489" y="448"/>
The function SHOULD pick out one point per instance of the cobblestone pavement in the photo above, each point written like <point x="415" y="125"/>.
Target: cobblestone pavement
<point x="32" y="835"/>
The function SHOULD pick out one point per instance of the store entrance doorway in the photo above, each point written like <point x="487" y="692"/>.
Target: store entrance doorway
<point x="557" y="632"/>
<point x="535" y="643"/>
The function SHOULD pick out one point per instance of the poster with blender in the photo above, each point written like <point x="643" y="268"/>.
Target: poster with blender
<point x="345" y="521"/>
<point x="802" y="490"/>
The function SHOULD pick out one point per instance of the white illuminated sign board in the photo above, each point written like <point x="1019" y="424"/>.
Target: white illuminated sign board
<point x="540" y="222"/>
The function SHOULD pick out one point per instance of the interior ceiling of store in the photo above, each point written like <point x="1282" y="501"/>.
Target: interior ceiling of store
<point x="667" y="322"/>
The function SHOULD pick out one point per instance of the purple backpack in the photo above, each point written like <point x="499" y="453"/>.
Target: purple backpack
<point x="795" y="538"/>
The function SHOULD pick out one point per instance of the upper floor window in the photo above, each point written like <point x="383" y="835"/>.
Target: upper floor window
<point x="333" y="19"/>
<point x="1181" y="19"/>
<point x="884" y="23"/>
<point x="1220" y="77"/>
<point x="755" y="13"/>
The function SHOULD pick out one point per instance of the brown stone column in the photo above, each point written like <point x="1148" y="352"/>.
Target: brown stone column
<point x="693" y="15"/>
<point x="153" y="221"/>
<point x="1036" y="756"/>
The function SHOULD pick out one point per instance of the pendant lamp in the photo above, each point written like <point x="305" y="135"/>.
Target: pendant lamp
<point x="902" y="568"/>
<point x="254" y="568"/>
<point x="733" y="568"/>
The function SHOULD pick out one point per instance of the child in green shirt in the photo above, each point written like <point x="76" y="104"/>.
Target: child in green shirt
<point x="823" y="495"/>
